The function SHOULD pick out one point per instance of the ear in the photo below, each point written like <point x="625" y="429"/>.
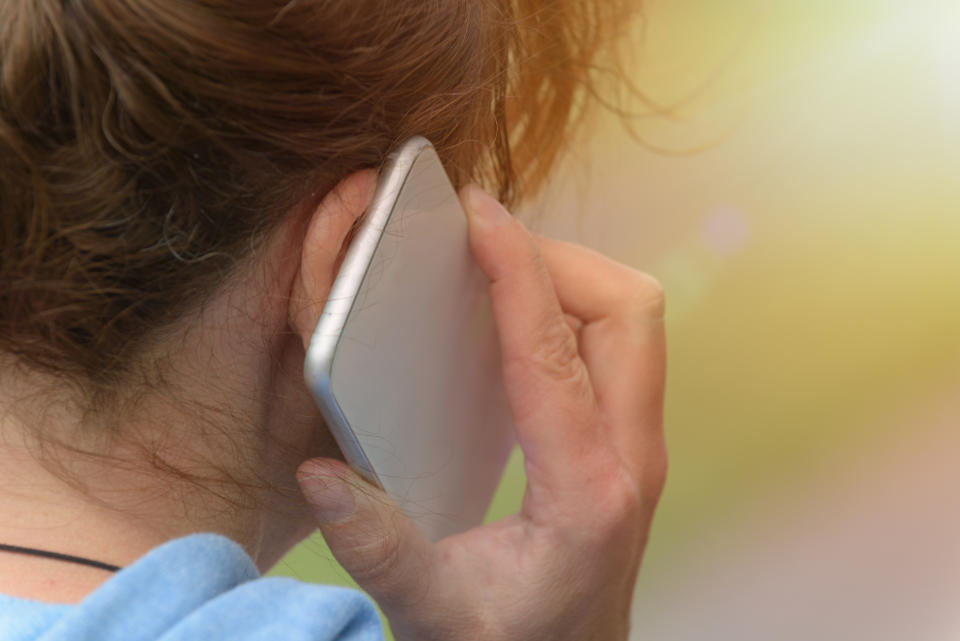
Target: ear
<point x="327" y="231"/>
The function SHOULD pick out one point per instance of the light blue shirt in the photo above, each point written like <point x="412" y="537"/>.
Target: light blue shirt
<point x="201" y="587"/>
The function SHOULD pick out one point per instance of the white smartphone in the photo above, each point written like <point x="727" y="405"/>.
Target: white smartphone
<point x="404" y="362"/>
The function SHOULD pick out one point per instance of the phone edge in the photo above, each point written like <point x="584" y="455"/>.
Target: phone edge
<point x="326" y="337"/>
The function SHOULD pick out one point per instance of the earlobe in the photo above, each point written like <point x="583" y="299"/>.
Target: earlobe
<point x="327" y="231"/>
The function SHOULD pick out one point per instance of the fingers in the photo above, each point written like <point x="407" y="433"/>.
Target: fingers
<point x="622" y="340"/>
<point x="546" y="381"/>
<point x="370" y="537"/>
<point x="574" y="323"/>
<point x="573" y="391"/>
<point x="592" y="287"/>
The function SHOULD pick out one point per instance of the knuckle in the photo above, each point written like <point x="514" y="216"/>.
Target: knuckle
<point x="557" y="355"/>
<point x="378" y="558"/>
<point x="625" y="502"/>
<point x="618" y="507"/>
<point x="625" y="498"/>
<point x="647" y="296"/>
<point x="653" y="476"/>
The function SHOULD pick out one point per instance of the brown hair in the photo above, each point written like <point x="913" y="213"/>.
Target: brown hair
<point x="145" y="144"/>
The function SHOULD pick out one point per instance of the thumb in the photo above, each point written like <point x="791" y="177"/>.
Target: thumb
<point x="382" y="549"/>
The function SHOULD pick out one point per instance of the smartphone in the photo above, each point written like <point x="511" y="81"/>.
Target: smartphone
<point x="404" y="362"/>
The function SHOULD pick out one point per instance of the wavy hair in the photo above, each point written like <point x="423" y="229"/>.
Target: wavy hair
<point x="146" y="145"/>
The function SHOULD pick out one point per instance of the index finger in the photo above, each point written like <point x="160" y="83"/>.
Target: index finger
<point x="622" y="341"/>
<point x="547" y="383"/>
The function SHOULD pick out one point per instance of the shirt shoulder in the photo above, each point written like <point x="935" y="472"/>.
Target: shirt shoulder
<point x="199" y="587"/>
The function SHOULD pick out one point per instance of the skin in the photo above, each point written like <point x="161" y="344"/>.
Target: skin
<point x="582" y="343"/>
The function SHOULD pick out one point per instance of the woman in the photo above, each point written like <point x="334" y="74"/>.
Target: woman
<point x="178" y="180"/>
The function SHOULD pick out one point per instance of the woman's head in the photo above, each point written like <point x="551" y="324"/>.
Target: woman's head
<point x="145" y="144"/>
<point x="155" y="154"/>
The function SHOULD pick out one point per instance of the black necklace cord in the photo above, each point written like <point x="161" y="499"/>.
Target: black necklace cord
<point x="57" y="556"/>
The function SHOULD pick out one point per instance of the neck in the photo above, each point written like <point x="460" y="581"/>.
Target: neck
<point x="211" y="446"/>
<point x="93" y="507"/>
<point x="186" y="470"/>
<point x="42" y="510"/>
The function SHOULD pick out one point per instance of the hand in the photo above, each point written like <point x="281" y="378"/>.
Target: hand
<point x="582" y="342"/>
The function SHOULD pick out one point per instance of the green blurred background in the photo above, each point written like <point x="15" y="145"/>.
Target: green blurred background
<point x="799" y="201"/>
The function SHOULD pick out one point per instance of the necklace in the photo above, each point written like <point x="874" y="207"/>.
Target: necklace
<point x="57" y="556"/>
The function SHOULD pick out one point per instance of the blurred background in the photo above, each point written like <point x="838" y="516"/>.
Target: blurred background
<point x="800" y="203"/>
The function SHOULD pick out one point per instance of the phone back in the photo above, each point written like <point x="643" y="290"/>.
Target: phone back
<point x="410" y="380"/>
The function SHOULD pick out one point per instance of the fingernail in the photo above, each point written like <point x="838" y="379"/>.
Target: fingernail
<point x="483" y="207"/>
<point x="330" y="497"/>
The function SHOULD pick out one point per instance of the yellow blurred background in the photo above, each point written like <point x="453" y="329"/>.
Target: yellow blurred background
<point x="800" y="204"/>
